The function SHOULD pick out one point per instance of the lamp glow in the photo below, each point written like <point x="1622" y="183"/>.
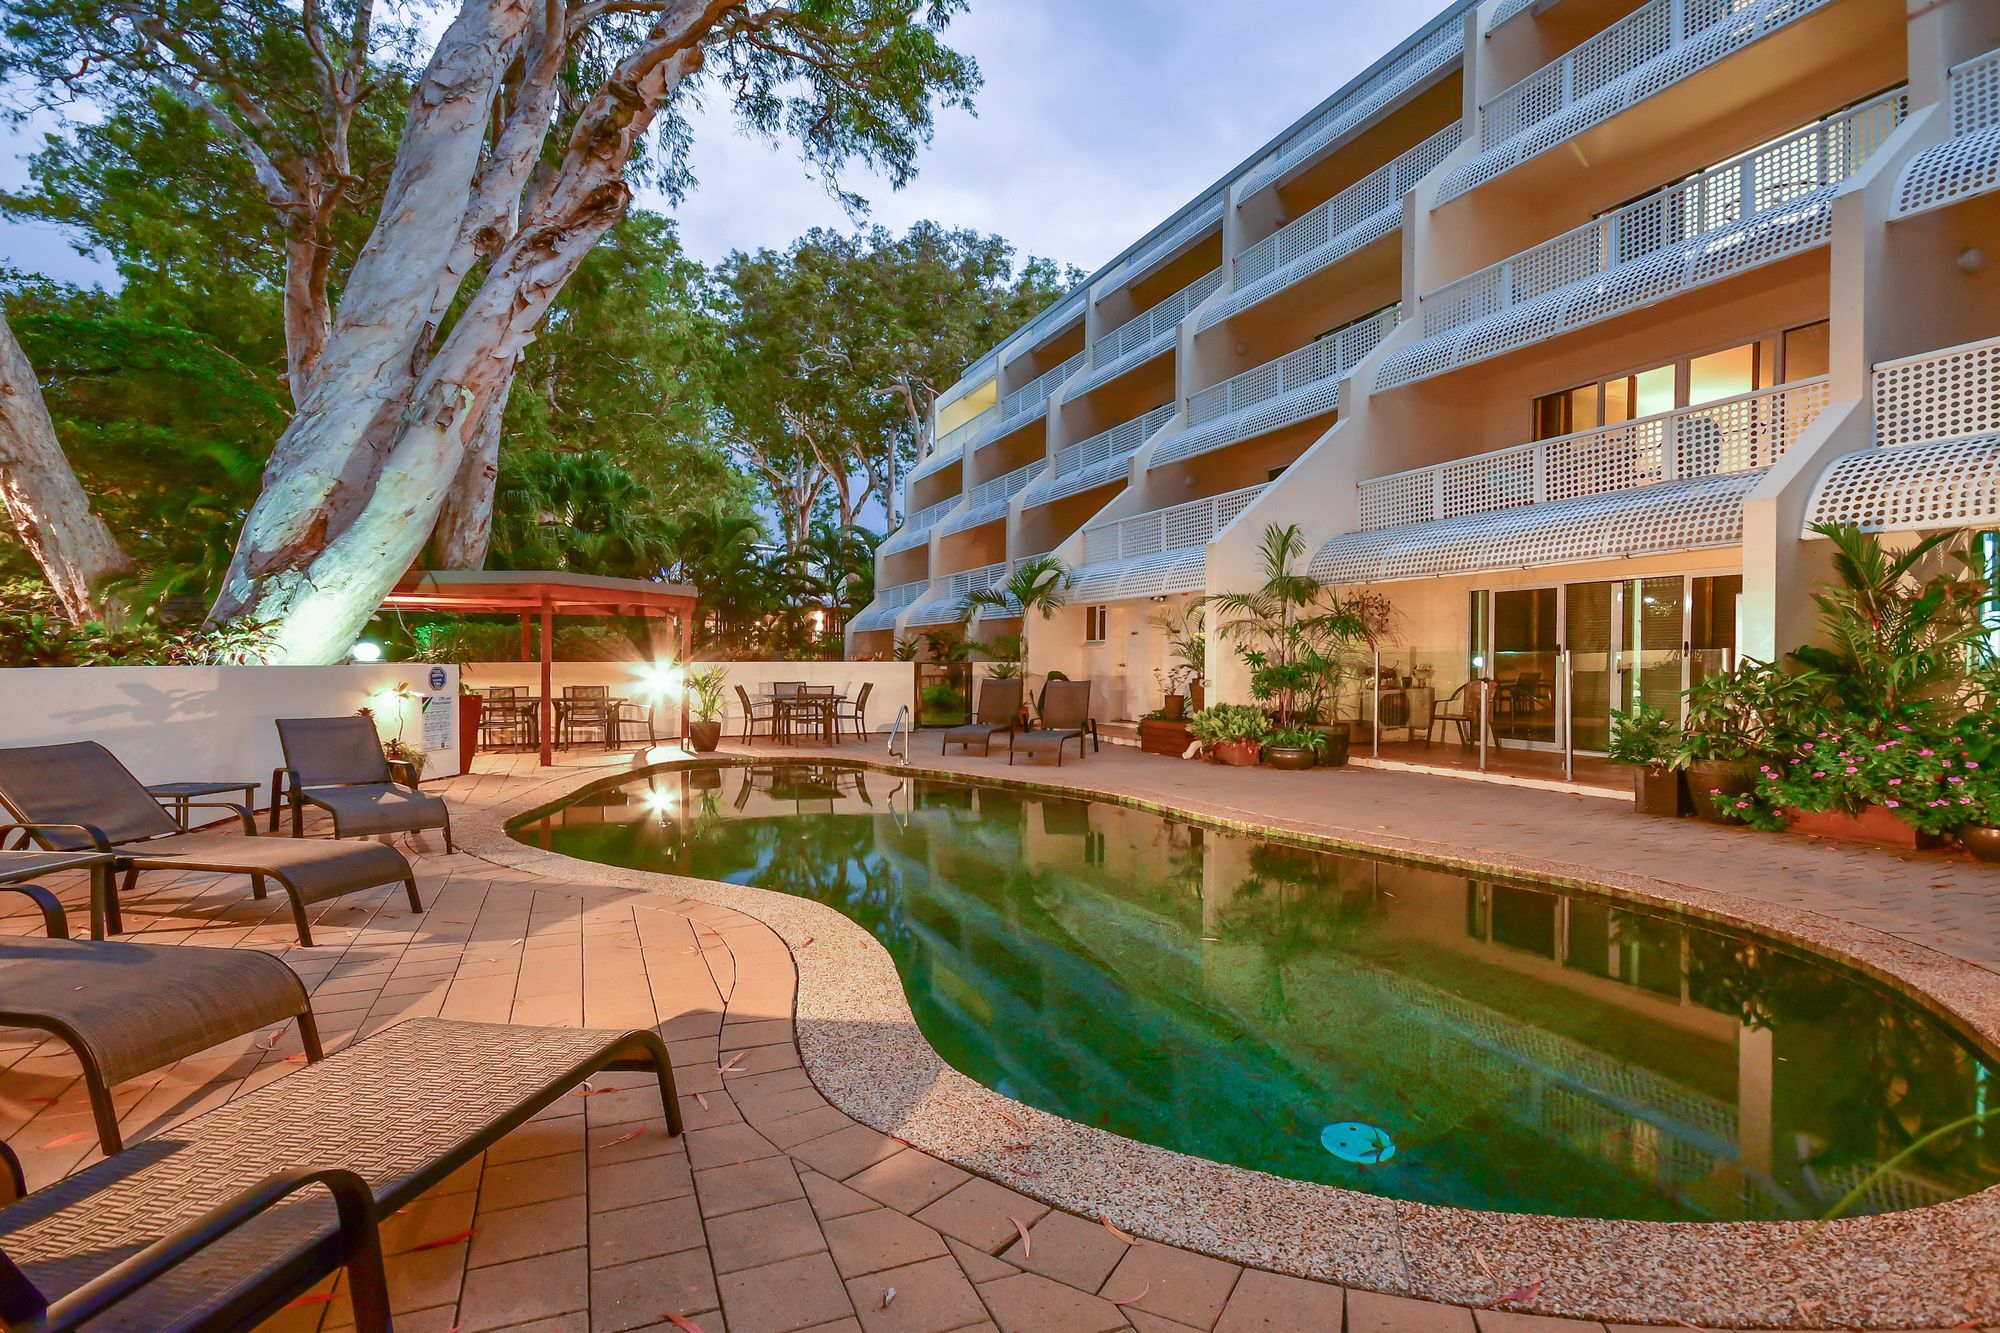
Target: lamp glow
<point x="662" y="680"/>
<point x="658" y="800"/>
<point x="364" y="651"/>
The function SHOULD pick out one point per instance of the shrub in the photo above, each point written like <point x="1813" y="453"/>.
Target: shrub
<point x="1227" y="724"/>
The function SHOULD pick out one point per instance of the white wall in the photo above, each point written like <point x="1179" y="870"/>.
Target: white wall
<point x="895" y="683"/>
<point x="212" y="724"/>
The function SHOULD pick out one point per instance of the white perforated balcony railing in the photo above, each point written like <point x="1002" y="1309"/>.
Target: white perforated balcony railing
<point x="1505" y="10"/>
<point x="1752" y="211"/>
<point x="1155" y="554"/>
<point x="934" y="462"/>
<point x="888" y="604"/>
<point x="1742" y="434"/>
<point x="1967" y="164"/>
<point x="1650" y="49"/>
<point x="1140" y="339"/>
<point x="916" y="529"/>
<point x="1035" y="394"/>
<point x="945" y="602"/>
<point x="1434" y="51"/>
<point x="1937" y="425"/>
<point x="1194" y="227"/>
<point x="1358" y="216"/>
<point x="988" y="501"/>
<point x="1296" y="387"/>
<point x="1674" y="516"/>
<point x="1097" y="461"/>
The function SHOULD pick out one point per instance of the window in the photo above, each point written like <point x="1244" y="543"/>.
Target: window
<point x="1566" y="412"/>
<point x="1642" y="395"/>
<point x="1723" y="374"/>
<point x="1094" y="621"/>
<point x="1807" y="354"/>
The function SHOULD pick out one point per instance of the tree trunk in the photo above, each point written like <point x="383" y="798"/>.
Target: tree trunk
<point x="308" y="312"/>
<point x="40" y="492"/>
<point x="465" y="523"/>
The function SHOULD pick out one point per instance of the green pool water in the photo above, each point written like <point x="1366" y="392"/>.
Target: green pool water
<point x="1409" y="1032"/>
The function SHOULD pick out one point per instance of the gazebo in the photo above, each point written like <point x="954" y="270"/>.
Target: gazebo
<point x="541" y="596"/>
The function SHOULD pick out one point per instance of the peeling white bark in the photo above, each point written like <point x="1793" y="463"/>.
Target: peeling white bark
<point x="465" y="521"/>
<point x="40" y="492"/>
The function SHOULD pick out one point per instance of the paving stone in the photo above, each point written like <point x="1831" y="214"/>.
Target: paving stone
<point x="1031" y="1303"/>
<point x="626" y="1235"/>
<point x="725" y="1144"/>
<point x="503" y="1294"/>
<point x="535" y="1181"/>
<point x="1176" y="1284"/>
<point x="1374" y="1312"/>
<point x="931" y="1297"/>
<point x="782" y="1297"/>
<point x="649" y="1180"/>
<point x="908" y="1181"/>
<point x="1069" y="1249"/>
<point x="831" y="1199"/>
<point x="978" y="1264"/>
<point x="642" y="1294"/>
<point x="846" y="1152"/>
<point x="731" y="1189"/>
<point x="1273" y="1303"/>
<point x="982" y="1213"/>
<point x="764" y="1235"/>
<point x="1511" y="1321"/>
<point x="507" y="1234"/>
<point x="884" y="1238"/>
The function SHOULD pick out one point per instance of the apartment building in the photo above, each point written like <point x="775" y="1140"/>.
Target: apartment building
<point x="1557" y="327"/>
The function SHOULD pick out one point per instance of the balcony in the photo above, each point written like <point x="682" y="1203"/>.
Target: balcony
<point x="952" y="444"/>
<point x="1967" y="164"/>
<point x="1140" y="339"/>
<point x="988" y="500"/>
<point x="1155" y="554"/>
<point x="1937" y="425"/>
<point x="1029" y="401"/>
<point x="888" y="604"/>
<point x="946" y="602"/>
<point x="1206" y="217"/>
<point x="1671" y="482"/>
<point x="1296" y="387"/>
<point x="1430" y="52"/>
<point x="1753" y="210"/>
<point x="916" y="529"/>
<point x="1097" y="461"/>
<point x="1358" y="216"/>
<point x="1648" y="50"/>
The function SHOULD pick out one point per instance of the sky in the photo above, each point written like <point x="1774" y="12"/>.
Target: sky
<point x="1098" y="118"/>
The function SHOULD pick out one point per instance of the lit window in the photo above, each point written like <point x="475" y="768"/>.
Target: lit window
<point x="1723" y="374"/>
<point x="1094" y="621"/>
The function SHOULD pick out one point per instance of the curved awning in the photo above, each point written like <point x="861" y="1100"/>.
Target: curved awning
<point x="1912" y="488"/>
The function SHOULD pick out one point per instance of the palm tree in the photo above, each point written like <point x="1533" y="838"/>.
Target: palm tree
<point x="1286" y="630"/>
<point x="1038" y="585"/>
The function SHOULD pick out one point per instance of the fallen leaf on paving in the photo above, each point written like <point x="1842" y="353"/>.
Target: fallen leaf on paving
<point x="888" y="1296"/>
<point x="1527" y="1293"/>
<point x="1027" y="1245"/>
<point x="272" y="1039"/>
<point x="1129" y="1300"/>
<point x="443" y="1241"/>
<point x="587" y="1091"/>
<point x="68" y="1139"/>
<point x="809" y="940"/>
<point x="734" y="1061"/>
<point x="1116" y="1232"/>
<point x="684" y="1325"/>
<point x="1010" y="1119"/>
<point x="701" y="1101"/>
<point x="626" y="1137"/>
<point x="314" y="1298"/>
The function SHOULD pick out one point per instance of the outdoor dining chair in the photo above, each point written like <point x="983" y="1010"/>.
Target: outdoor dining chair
<point x="77" y="797"/>
<point x="507" y="714"/>
<point x="586" y="709"/>
<point x="855" y="710"/>
<point x="751" y="715"/>
<point x="337" y="764"/>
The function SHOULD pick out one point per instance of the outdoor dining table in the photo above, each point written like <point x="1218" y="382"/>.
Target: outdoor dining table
<point x="532" y="706"/>
<point x="790" y="711"/>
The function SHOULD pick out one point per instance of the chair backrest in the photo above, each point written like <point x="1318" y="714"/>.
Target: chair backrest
<point x="999" y="701"/>
<point x="1065" y="705"/>
<point x="333" y="751"/>
<point x="861" y="699"/>
<point x="586" y="691"/>
<point x="1528" y="680"/>
<point x="816" y="689"/>
<point x="503" y="691"/>
<point x="743" y="697"/>
<point x="787" y="689"/>
<point x="79" y="782"/>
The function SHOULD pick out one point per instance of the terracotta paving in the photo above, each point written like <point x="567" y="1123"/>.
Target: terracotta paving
<point x="776" y="1213"/>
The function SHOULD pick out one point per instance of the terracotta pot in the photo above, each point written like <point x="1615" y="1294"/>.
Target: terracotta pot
<point x="1238" y="754"/>
<point x="1173" y="707"/>
<point x="1338" y="737"/>
<point x="1659" y="791"/>
<point x="1982" y="840"/>
<point x="1873" y="825"/>
<point x="470" y="709"/>
<point x="1290" y="758"/>
<point x="1727" y="778"/>
<point x="1197" y="697"/>
<point x="704" y="736"/>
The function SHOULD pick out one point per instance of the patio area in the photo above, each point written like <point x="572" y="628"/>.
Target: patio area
<point x="777" y="1212"/>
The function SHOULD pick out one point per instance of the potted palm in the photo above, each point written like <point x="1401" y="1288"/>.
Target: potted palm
<point x="1187" y="656"/>
<point x="1232" y="733"/>
<point x="1646" y="738"/>
<point x="1037" y="586"/>
<point x="1735" y="719"/>
<point x="705" y="708"/>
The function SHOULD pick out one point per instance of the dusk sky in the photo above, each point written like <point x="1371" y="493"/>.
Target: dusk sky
<point x="1098" y="118"/>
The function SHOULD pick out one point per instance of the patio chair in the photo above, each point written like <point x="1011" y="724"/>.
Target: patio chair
<point x="337" y="765"/>
<point x="999" y="710"/>
<point x="855" y="710"/>
<point x="586" y="708"/>
<point x="787" y="689"/>
<point x="1065" y="717"/>
<point x="214" y="1225"/>
<point x="751" y="717"/>
<point x="127" y="1009"/>
<point x="507" y="714"/>
<point x="78" y="797"/>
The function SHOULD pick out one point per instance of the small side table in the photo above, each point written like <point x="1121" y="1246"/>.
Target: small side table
<point x="18" y="867"/>
<point x="182" y="795"/>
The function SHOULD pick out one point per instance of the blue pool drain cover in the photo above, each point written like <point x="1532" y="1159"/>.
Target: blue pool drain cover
<point x="1352" y="1141"/>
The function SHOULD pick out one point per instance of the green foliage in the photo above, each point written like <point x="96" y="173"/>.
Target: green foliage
<point x="30" y="638"/>
<point x="580" y="512"/>
<point x="705" y="693"/>
<point x="1297" y="737"/>
<point x="1185" y="628"/>
<point x="1226" y="724"/>
<point x="1753" y="709"/>
<point x="1645" y="737"/>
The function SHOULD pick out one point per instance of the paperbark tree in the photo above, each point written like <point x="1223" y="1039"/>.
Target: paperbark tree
<point x="74" y="548"/>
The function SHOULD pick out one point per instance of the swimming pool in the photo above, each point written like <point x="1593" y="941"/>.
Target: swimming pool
<point x="1404" y="1031"/>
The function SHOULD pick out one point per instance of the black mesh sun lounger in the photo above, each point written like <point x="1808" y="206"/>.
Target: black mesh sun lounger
<point x="337" y="764"/>
<point x="999" y="709"/>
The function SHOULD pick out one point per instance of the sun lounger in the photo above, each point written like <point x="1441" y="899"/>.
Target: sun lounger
<point x="999" y="709"/>
<point x="78" y="797"/>
<point x="1065" y="718"/>
<point x="338" y="765"/>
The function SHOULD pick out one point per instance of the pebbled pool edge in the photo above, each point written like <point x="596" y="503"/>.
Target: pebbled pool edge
<point x="1928" y="1267"/>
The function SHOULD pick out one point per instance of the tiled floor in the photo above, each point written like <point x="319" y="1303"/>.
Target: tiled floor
<point x="776" y="1212"/>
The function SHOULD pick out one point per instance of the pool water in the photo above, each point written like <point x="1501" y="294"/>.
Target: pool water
<point x="1410" y="1032"/>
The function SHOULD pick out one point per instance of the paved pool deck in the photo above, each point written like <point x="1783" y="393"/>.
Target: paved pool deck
<point x="778" y="1211"/>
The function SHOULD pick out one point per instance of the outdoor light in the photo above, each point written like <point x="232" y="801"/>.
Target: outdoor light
<point x="364" y="651"/>
<point x="661" y="679"/>
<point x="658" y="800"/>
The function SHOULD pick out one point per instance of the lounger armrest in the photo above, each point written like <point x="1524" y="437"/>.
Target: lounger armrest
<point x="54" y="919"/>
<point x="98" y="841"/>
<point x="242" y="813"/>
<point x="360" y="1241"/>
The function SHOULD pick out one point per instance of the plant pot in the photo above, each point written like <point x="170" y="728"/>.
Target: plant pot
<point x="1872" y="825"/>
<point x="1174" y="707"/>
<point x="1338" y="737"/>
<point x="1290" y="758"/>
<point x="470" y="709"/>
<point x="1726" y="778"/>
<point x="1982" y="840"/>
<point x="1197" y="697"/>
<point x="1237" y="754"/>
<point x="704" y="736"/>
<point x="1659" y="791"/>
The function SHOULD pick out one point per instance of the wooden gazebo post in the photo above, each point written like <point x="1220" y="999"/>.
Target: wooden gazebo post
<point x="548" y="684"/>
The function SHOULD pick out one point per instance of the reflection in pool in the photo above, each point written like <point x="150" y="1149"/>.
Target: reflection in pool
<point x="1515" y="1048"/>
